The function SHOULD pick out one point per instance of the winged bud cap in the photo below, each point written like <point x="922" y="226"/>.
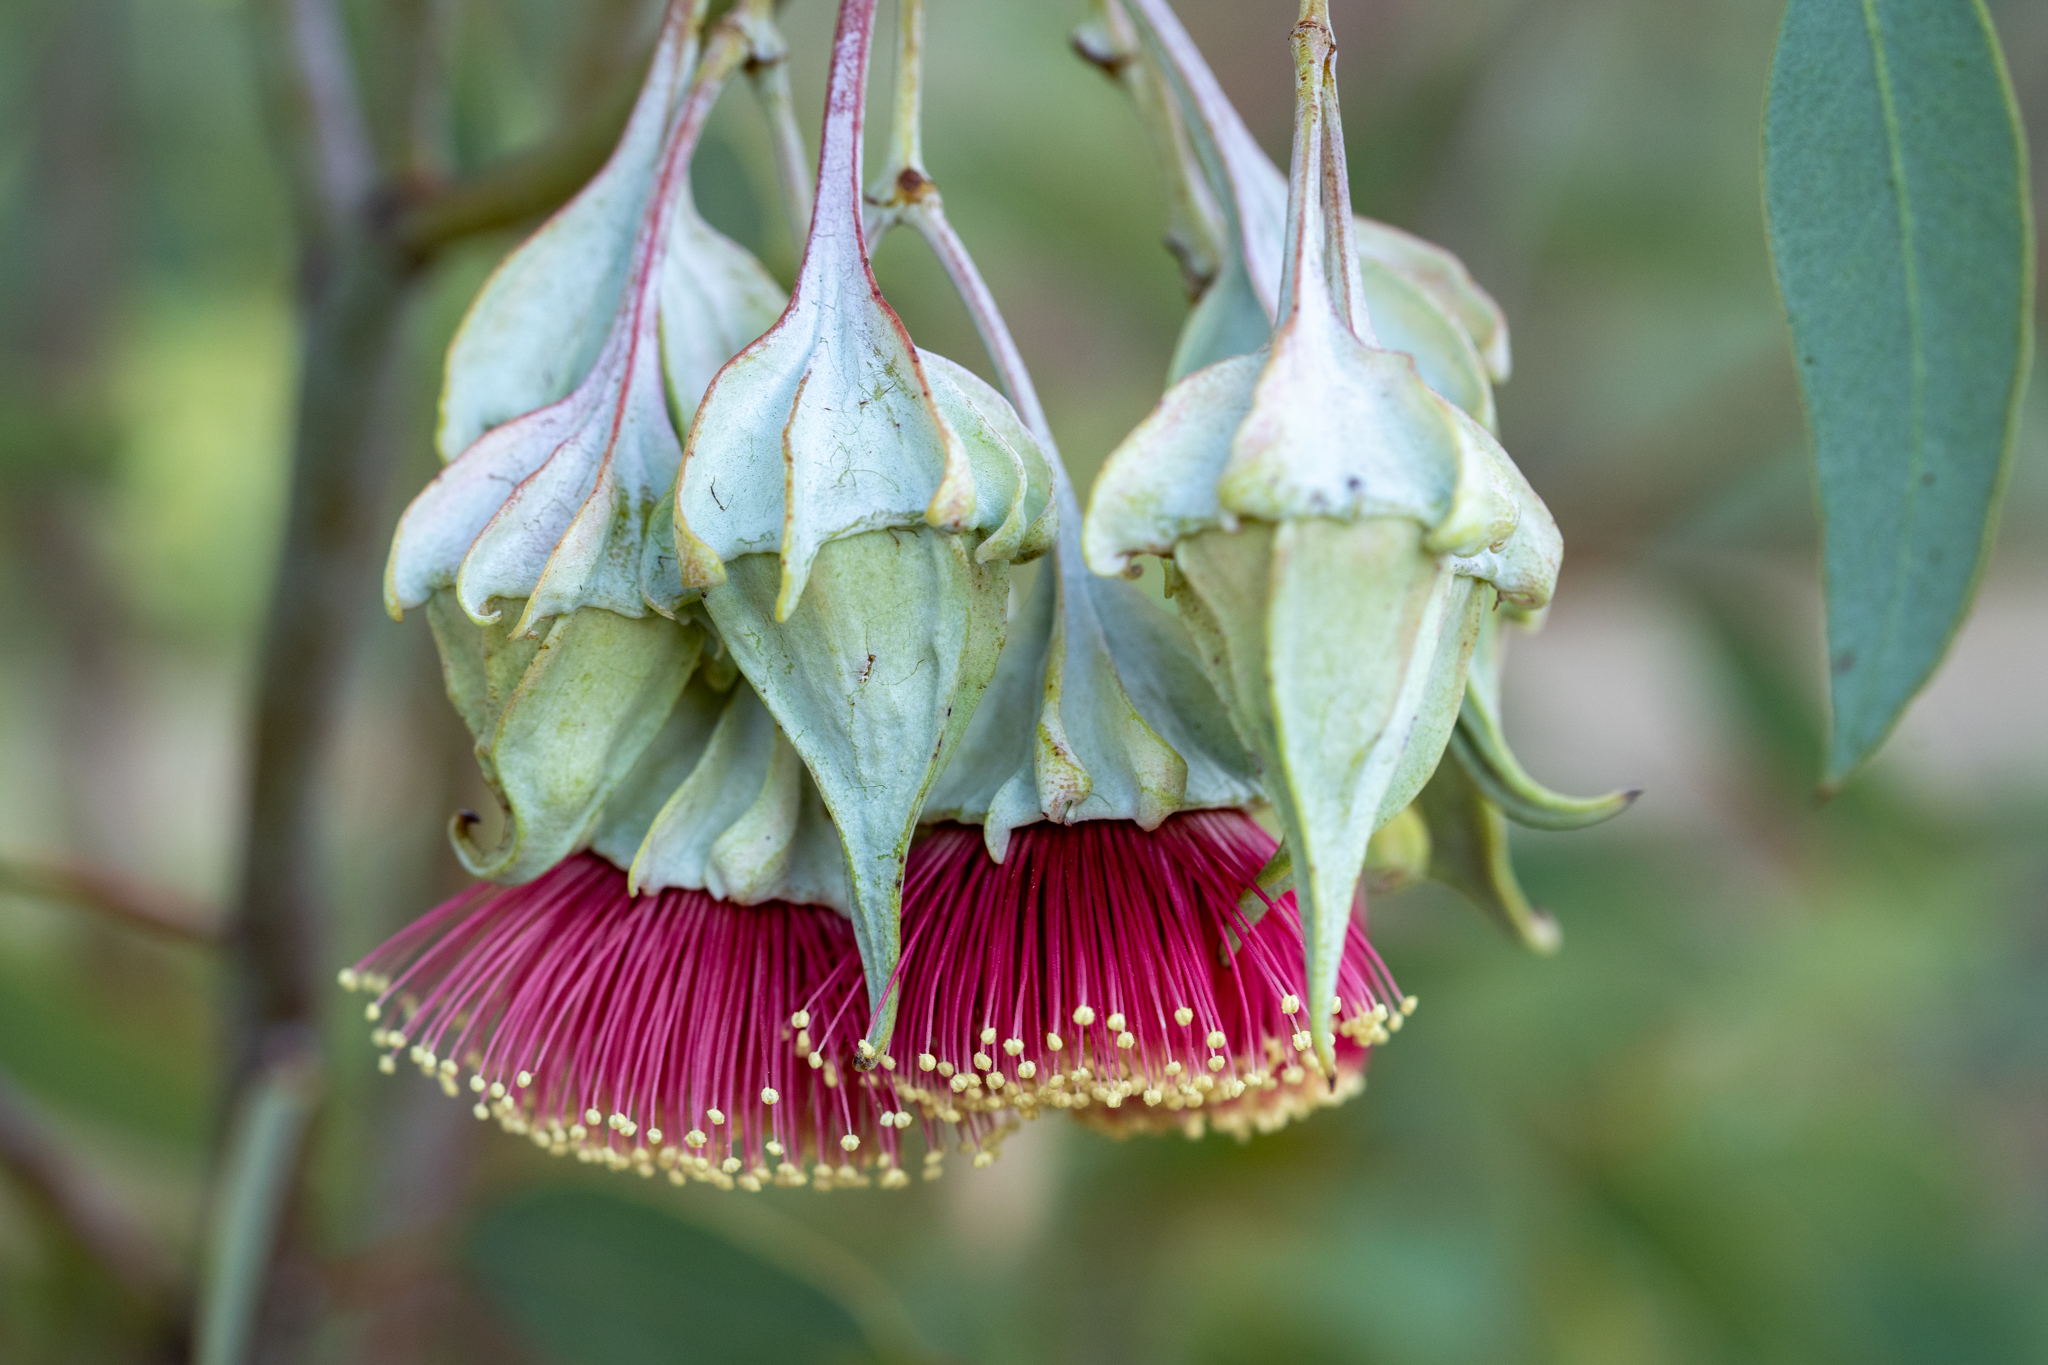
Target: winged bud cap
<point x="563" y="505"/>
<point x="1332" y="523"/>
<point x="833" y="423"/>
<point x="1422" y="299"/>
<point x="559" y="722"/>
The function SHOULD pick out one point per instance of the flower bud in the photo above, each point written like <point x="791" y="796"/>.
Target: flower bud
<point x="1420" y="297"/>
<point x="559" y="722"/>
<point x="849" y="507"/>
<point x="721" y="802"/>
<point x="1334" y="527"/>
<point x="554" y="503"/>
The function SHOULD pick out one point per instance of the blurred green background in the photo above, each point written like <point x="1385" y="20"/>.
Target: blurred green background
<point x="1783" y="1097"/>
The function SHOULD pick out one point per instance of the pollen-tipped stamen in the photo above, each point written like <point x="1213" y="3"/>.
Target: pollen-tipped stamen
<point x="1122" y="980"/>
<point x="655" y="1033"/>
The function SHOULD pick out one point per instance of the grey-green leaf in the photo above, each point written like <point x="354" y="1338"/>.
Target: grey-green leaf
<point x="1895" y="180"/>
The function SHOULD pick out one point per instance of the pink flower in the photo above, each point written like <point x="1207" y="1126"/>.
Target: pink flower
<point x="1109" y="971"/>
<point x="667" y="1032"/>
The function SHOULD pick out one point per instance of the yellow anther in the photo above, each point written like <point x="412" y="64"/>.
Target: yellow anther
<point x="371" y="1011"/>
<point x="925" y="1061"/>
<point x="717" y="1116"/>
<point x="866" y="1050"/>
<point x="817" y="1060"/>
<point x="1216" y="1038"/>
<point x="768" y="1095"/>
<point x="348" y="978"/>
<point x="850" y="1143"/>
<point x="1290" y="1004"/>
<point x="1013" y="1046"/>
<point x="482" y="1111"/>
<point x="959" y="1083"/>
<point x="695" y="1137"/>
<point x="476" y="1083"/>
<point x="801" y="1019"/>
<point x="731" y="1165"/>
<point x="995" y="1080"/>
<point x="945" y="1068"/>
<point x="1153" y="1096"/>
<point x="1115" y="1022"/>
<point x="1173" y="1068"/>
<point x="1394" y="1022"/>
<point x="803" y="1041"/>
<point x="1336" y="1004"/>
<point x="654" y="1137"/>
<point x="577" y="1132"/>
<point x="1183" y="1016"/>
<point x="983" y="1160"/>
<point x="1302" y="1041"/>
<point x="1293" y="1075"/>
<point x="888" y="1062"/>
<point x="592" y="1117"/>
<point x="772" y="1148"/>
<point x="1053" y="1043"/>
<point x="387" y="1064"/>
<point x="497" y="1090"/>
<point x="1026" y="1070"/>
<point x="1408" y="1004"/>
<point x="1379" y="1013"/>
<point x="1215" y="1063"/>
<point x="982" y="1061"/>
<point x="1127" y="1040"/>
<point x="1085" y="1015"/>
<point x="525" y="1079"/>
<point x="988" y="1035"/>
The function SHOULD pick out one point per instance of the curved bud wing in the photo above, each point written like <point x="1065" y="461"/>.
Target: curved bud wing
<point x="1159" y="484"/>
<point x="1442" y="276"/>
<point x="559" y="725"/>
<point x="729" y="810"/>
<point x="1468" y="842"/>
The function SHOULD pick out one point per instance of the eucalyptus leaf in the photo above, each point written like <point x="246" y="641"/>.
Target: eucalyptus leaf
<point x="595" y="1278"/>
<point x="1895" y="179"/>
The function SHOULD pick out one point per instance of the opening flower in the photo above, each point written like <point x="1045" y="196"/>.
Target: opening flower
<point x="671" y="1032"/>
<point x="1107" y="970"/>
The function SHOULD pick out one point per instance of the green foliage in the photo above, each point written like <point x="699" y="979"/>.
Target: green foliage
<point x="1895" y="176"/>
<point x="597" y="1280"/>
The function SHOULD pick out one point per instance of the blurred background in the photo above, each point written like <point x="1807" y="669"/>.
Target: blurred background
<point x="1783" y="1096"/>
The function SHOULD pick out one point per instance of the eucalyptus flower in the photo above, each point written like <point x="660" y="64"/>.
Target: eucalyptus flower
<point x="553" y="505"/>
<point x="670" y="1032"/>
<point x="849" y="506"/>
<point x="1335" y="531"/>
<point x="563" y="455"/>
<point x="1105" y="970"/>
<point x="684" y="997"/>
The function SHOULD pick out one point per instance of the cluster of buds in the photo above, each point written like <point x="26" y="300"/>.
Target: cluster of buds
<point x="808" y="836"/>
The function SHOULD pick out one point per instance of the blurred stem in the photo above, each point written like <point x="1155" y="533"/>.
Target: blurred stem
<point x="134" y="907"/>
<point x="35" y="1153"/>
<point x="768" y="73"/>
<point x="360" y="260"/>
<point x="249" y="1205"/>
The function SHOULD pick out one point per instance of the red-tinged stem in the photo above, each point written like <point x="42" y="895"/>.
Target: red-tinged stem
<point x="838" y="203"/>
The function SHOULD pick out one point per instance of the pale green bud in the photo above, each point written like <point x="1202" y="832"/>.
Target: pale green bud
<point x="1337" y="531"/>
<point x="559" y="722"/>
